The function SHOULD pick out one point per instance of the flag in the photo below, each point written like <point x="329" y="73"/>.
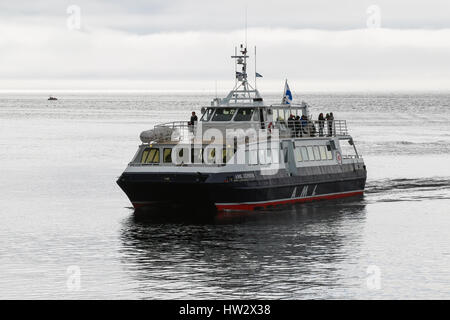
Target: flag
<point x="258" y="75"/>
<point x="287" y="96"/>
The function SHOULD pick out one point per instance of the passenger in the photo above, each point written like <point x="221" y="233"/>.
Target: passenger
<point x="321" y="120"/>
<point x="291" y="124"/>
<point x="194" y="119"/>
<point x="330" y="120"/>
<point x="298" y="125"/>
<point x="304" y="125"/>
<point x="311" y="128"/>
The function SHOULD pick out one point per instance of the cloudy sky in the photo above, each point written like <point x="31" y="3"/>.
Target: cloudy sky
<point x="320" y="45"/>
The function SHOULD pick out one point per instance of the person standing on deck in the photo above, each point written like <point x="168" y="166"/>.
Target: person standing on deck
<point x="321" y="124"/>
<point x="330" y="120"/>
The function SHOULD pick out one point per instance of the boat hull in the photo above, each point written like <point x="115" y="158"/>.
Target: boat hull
<point x="224" y="192"/>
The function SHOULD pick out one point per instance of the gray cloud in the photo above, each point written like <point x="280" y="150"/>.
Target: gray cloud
<point x="319" y="45"/>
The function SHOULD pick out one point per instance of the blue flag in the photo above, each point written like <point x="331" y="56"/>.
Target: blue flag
<point x="258" y="75"/>
<point x="287" y="96"/>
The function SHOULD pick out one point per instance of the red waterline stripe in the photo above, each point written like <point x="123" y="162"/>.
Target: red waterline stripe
<point x="252" y="206"/>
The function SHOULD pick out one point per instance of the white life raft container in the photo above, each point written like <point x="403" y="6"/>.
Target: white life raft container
<point x="156" y="134"/>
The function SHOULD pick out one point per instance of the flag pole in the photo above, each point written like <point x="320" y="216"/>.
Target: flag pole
<point x="255" y="68"/>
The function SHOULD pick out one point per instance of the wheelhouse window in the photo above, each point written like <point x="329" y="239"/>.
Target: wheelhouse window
<point x="150" y="155"/>
<point x="207" y="115"/>
<point x="244" y="114"/>
<point x="224" y="114"/>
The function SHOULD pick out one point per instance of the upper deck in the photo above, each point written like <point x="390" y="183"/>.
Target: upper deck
<point x="244" y="109"/>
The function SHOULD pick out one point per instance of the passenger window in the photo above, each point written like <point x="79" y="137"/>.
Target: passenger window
<point x="253" y="157"/>
<point x="198" y="156"/>
<point x="227" y="154"/>
<point x="310" y="153"/>
<point x="316" y="153"/>
<point x="212" y="155"/>
<point x="329" y="155"/>
<point x="262" y="156"/>
<point x="298" y="155"/>
<point x="304" y="154"/>
<point x="144" y="155"/>
<point x="323" y="152"/>
<point x="153" y="156"/>
<point x="167" y="155"/>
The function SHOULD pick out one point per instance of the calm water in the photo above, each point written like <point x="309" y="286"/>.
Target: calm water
<point x="61" y="209"/>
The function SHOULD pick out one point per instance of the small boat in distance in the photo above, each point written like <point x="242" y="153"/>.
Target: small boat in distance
<point x="52" y="98"/>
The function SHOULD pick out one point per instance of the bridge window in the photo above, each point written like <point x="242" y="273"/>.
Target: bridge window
<point x="223" y="114"/>
<point x="244" y="114"/>
<point x="207" y="115"/>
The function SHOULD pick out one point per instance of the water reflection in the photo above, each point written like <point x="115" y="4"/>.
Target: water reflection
<point x="274" y="253"/>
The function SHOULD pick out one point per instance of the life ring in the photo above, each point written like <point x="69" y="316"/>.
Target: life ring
<point x="339" y="157"/>
<point x="269" y="127"/>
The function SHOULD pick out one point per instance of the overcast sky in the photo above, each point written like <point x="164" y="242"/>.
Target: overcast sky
<point x="320" y="45"/>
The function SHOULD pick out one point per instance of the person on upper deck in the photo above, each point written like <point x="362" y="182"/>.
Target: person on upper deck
<point x="298" y="125"/>
<point x="330" y="120"/>
<point x="321" y="120"/>
<point x="194" y="119"/>
<point x="291" y="124"/>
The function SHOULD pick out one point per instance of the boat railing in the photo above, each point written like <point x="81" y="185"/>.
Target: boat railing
<point x="183" y="130"/>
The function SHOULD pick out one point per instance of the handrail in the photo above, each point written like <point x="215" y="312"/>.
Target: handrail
<point x="287" y="129"/>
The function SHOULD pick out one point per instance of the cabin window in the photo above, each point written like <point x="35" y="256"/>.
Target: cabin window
<point x="144" y="155"/>
<point x="197" y="155"/>
<point x="167" y="155"/>
<point x="150" y="155"/>
<point x="244" y="114"/>
<point x="323" y="152"/>
<point x="329" y="155"/>
<point x="316" y="153"/>
<point x="304" y="154"/>
<point x="262" y="156"/>
<point x="212" y="155"/>
<point x="227" y="154"/>
<point x="207" y="115"/>
<point x="223" y="114"/>
<point x="298" y="155"/>
<point x="252" y="156"/>
<point x="180" y="155"/>
<point x="311" y="153"/>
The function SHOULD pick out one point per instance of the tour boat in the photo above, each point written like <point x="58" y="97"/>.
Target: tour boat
<point x="244" y="154"/>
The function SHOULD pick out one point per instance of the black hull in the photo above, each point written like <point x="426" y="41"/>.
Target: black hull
<point x="225" y="192"/>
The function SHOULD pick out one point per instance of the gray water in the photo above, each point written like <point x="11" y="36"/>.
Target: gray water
<point x="62" y="212"/>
